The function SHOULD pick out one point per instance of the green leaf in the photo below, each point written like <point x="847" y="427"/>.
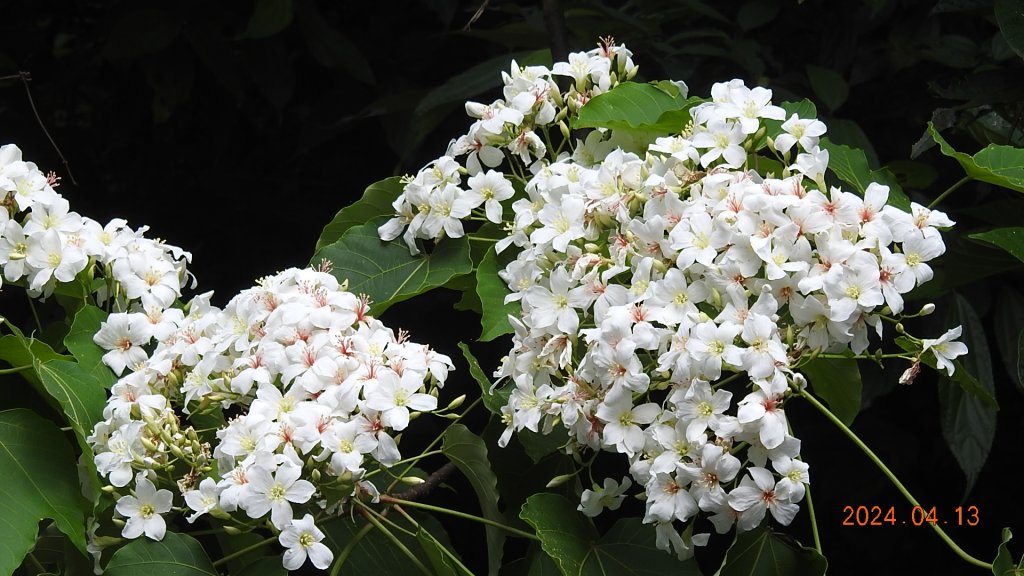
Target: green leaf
<point x="469" y="454"/>
<point x="374" y="553"/>
<point x="376" y="201"/>
<point x="1009" y="332"/>
<point x="80" y="344"/>
<point x="385" y="271"/>
<point x="39" y="479"/>
<point x="762" y="552"/>
<point x="1010" y="17"/>
<point x="1003" y="565"/>
<point x="264" y="566"/>
<point x="17" y="350"/>
<point x="968" y="423"/>
<point x="538" y="446"/>
<point x="493" y="401"/>
<point x="837" y="382"/>
<point x="828" y="85"/>
<point x="268" y="18"/>
<point x="851" y="166"/>
<point x="566" y="535"/>
<point x="80" y="396"/>
<point x="633" y="106"/>
<point x="1009" y="239"/>
<point x="570" y="539"/>
<point x="175" y="555"/>
<point x="492" y="291"/>
<point x="995" y="164"/>
<point x="442" y="564"/>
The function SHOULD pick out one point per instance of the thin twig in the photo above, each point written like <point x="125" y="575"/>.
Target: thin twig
<point x="25" y="78"/>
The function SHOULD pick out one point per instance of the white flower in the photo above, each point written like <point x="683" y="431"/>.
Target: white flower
<point x="144" y="509"/>
<point x="202" y="500"/>
<point x="610" y="496"/>
<point x="302" y="539"/>
<point x="275" y="493"/>
<point x="945" y="348"/>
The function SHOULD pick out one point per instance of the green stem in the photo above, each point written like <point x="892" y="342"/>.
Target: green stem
<point x="906" y="355"/>
<point x="432" y="444"/>
<point x="892" y="478"/>
<point x="16" y="369"/>
<point x="244" y="551"/>
<point x="444" y="550"/>
<point x="371" y="517"/>
<point x="35" y="314"/>
<point x="814" y="521"/>
<point x="950" y="190"/>
<point x="349" y="547"/>
<point x="463" y="515"/>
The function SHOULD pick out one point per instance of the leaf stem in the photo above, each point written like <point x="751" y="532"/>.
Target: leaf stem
<point x="16" y="369"/>
<point x="444" y="550"/>
<point x="950" y="190"/>
<point x="892" y="477"/>
<point x="433" y="443"/>
<point x="349" y="547"/>
<point x="371" y="517"/>
<point x="463" y="515"/>
<point x="243" y="551"/>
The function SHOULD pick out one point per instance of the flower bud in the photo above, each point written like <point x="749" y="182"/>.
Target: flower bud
<point x="559" y="480"/>
<point x="412" y="480"/>
<point x="232" y="531"/>
<point x="456" y="403"/>
<point x="899" y="328"/>
<point x="927" y="309"/>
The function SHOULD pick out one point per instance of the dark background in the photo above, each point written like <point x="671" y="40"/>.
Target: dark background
<point x="237" y="129"/>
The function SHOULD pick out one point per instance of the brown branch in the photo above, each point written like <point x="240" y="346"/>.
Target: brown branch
<point x="432" y="481"/>
<point x="25" y="78"/>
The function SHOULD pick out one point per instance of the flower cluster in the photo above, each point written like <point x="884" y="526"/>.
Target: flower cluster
<point x="43" y="243"/>
<point x="314" y="387"/>
<point x="669" y="291"/>
<point x="434" y="202"/>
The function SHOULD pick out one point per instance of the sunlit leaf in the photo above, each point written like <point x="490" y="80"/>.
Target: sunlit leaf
<point x="175" y="555"/>
<point x="385" y="271"/>
<point x="634" y="106"/>
<point x="39" y="479"/>
<point x="469" y="454"/>
<point x="995" y="164"/>
<point x="376" y="201"/>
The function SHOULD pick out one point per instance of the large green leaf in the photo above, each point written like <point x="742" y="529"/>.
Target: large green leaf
<point x="469" y="454"/>
<point x="175" y="555"/>
<point x="968" y="423"/>
<point x="80" y="344"/>
<point x="39" y="479"/>
<point x="1009" y="239"/>
<point x="376" y="201"/>
<point x="996" y="164"/>
<point x="385" y="271"/>
<point x="571" y="540"/>
<point x="837" y="382"/>
<point x="851" y="166"/>
<point x="637" y="107"/>
<point x="762" y="552"/>
<point x="79" y="394"/>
